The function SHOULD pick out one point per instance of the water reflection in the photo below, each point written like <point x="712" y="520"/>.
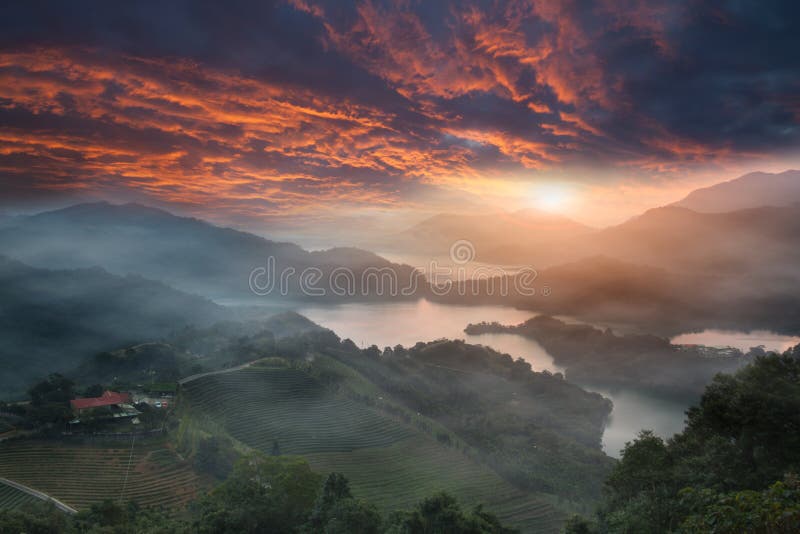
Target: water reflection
<point x="389" y="324"/>
<point x="740" y="340"/>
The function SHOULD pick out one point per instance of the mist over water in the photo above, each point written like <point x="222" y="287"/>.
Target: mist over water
<point x="405" y="323"/>
<point x="635" y="411"/>
<point x="740" y="340"/>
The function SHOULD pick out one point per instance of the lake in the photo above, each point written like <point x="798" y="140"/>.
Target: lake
<point x="405" y="323"/>
<point x="740" y="340"/>
<point x="408" y="322"/>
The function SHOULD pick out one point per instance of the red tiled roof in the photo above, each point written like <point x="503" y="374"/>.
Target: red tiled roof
<point x="108" y="398"/>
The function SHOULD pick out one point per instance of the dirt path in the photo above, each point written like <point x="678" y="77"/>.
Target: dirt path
<point x="191" y="378"/>
<point x="39" y="495"/>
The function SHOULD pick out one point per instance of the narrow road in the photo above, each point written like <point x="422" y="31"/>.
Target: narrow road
<point x="191" y="378"/>
<point x="39" y="495"/>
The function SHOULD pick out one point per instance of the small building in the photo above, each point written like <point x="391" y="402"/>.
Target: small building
<point x="165" y="390"/>
<point x="115" y="404"/>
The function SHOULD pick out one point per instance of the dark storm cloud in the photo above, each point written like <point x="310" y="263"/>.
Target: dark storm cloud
<point x="301" y="101"/>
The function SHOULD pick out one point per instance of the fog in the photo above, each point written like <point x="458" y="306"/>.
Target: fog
<point x="739" y="340"/>
<point x="407" y="323"/>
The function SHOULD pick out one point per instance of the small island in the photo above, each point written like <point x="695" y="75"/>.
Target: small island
<point x="595" y="356"/>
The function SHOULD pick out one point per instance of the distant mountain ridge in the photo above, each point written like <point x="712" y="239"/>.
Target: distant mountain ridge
<point x="488" y="232"/>
<point x="754" y="190"/>
<point x="186" y="253"/>
<point x="50" y="319"/>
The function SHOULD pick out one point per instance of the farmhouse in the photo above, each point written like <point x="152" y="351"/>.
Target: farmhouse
<point x="110" y="404"/>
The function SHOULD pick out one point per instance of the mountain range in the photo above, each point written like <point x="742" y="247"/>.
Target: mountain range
<point x="488" y="233"/>
<point x="670" y="268"/>
<point x="186" y="253"/>
<point x="760" y="237"/>
<point x="752" y="190"/>
<point x="51" y="319"/>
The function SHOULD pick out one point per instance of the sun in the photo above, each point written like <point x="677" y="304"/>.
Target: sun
<point x="552" y="197"/>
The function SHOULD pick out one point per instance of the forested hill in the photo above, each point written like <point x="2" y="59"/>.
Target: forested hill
<point x="536" y="429"/>
<point x="733" y="469"/>
<point x="602" y="357"/>
<point x="51" y="319"/>
<point x="186" y="253"/>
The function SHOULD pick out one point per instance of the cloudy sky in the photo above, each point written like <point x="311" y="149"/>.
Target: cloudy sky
<point x="300" y="112"/>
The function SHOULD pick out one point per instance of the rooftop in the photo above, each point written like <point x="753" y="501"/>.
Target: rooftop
<point x="108" y="398"/>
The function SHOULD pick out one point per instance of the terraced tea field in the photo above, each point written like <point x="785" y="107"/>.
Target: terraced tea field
<point x="82" y="475"/>
<point x="260" y="406"/>
<point x="11" y="497"/>
<point x="398" y="476"/>
<point x="388" y="463"/>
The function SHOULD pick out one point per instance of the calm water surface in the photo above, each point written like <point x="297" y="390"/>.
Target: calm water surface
<point x="740" y="340"/>
<point x="408" y="322"/>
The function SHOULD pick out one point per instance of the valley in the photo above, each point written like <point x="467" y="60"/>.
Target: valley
<point x="523" y="404"/>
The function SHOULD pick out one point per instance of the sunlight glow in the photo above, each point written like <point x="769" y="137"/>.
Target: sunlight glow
<point x="553" y="197"/>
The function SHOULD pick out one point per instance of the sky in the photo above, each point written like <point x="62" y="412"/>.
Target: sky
<point x="295" y="115"/>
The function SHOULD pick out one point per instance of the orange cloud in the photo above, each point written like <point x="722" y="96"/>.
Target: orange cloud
<point x="183" y="133"/>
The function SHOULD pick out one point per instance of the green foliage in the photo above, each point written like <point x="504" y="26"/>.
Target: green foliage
<point x="264" y="494"/>
<point x="536" y="430"/>
<point x="388" y="461"/>
<point x="157" y="364"/>
<point x="750" y="425"/>
<point x="337" y="512"/>
<point x="441" y="514"/>
<point x="740" y="439"/>
<point x="774" y="510"/>
<point x="352" y="515"/>
<point x="259" y="406"/>
<point x="11" y="497"/>
<point x="50" y="400"/>
<point x="57" y="389"/>
<point x="109" y="517"/>
<point x="578" y="525"/>
<point x="215" y="455"/>
<point x="641" y="488"/>
<point x="37" y="518"/>
<point x="106" y="517"/>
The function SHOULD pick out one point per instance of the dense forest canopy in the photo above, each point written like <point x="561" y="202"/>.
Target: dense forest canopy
<point x="733" y="469"/>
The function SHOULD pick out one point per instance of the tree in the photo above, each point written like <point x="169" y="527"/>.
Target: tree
<point x="33" y="519"/>
<point x="742" y="437"/>
<point x="756" y="414"/>
<point x="263" y="494"/>
<point x="50" y="400"/>
<point x="441" y="514"/>
<point x="57" y="389"/>
<point x="337" y="512"/>
<point x="578" y="525"/>
<point x="352" y="515"/>
<point x="215" y="455"/>
<point x="776" y="509"/>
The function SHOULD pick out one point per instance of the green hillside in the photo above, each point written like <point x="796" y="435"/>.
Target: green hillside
<point x="11" y="497"/>
<point x="259" y="406"/>
<point x="397" y="476"/>
<point x="82" y="475"/>
<point x="389" y="462"/>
